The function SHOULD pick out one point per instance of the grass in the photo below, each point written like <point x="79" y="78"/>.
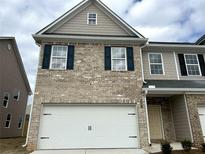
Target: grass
<point x="12" y="146"/>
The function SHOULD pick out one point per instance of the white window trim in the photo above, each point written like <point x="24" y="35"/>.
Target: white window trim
<point x="51" y="57"/>
<point x="92" y="18"/>
<point x="163" y="72"/>
<point x="119" y="59"/>
<point x="3" y="100"/>
<point x="192" y="64"/>
<point x="9" y="121"/>
<point x="21" y="122"/>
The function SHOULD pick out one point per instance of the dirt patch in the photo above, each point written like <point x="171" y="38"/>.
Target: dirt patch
<point x="184" y="152"/>
<point x="12" y="146"/>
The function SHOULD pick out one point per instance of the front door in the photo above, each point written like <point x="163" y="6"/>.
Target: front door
<point x="155" y="122"/>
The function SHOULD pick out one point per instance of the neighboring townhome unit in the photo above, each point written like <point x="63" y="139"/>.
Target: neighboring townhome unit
<point x="14" y="89"/>
<point x="175" y="90"/>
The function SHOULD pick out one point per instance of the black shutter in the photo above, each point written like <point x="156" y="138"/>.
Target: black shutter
<point x="107" y="58"/>
<point x="182" y="65"/>
<point x="46" y="57"/>
<point x="202" y="64"/>
<point x="70" y="57"/>
<point x="130" y="59"/>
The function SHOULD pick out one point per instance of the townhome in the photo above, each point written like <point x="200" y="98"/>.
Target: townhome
<point x="174" y="85"/>
<point x="101" y="84"/>
<point x="14" y="89"/>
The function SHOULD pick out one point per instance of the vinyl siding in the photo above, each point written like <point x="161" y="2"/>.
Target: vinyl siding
<point x="188" y="77"/>
<point x="180" y="118"/>
<point x="169" y="65"/>
<point x="78" y="24"/>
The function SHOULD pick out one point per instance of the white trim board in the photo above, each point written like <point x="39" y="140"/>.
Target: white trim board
<point x="99" y="3"/>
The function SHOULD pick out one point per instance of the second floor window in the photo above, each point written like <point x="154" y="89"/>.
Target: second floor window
<point x="8" y="121"/>
<point x="58" y="57"/>
<point x="92" y="19"/>
<point x="156" y="63"/>
<point x="118" y="59"/>
<point x="192" y="64"/>
<point x="5" y="101"/>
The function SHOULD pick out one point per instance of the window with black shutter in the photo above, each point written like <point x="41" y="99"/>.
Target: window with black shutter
<point x="58" y="57"/>
<point x="119" y="58"/>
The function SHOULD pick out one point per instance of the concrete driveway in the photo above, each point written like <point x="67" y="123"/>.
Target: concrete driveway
<point x="97" y="151"/>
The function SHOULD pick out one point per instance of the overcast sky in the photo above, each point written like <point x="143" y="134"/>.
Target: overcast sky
<point x="158" y="20"/>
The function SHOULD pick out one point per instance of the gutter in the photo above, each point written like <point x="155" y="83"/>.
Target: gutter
<point x="177" y="45"/>
<point x="175" y="89"/>
<point x="125" y="40"/>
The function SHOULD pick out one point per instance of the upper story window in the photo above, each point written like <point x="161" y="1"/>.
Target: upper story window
<point x="16" y="95"/>
<point x="58" y="57"/>
<point x="118" y="59"/>
<point x="156" y="63"/>
<point x="20" y="122"/>
<point x="92" y="19"/>
<point x="8" y="121"/>
<point x="5" y="100"/>
<point x="192" y="64"/>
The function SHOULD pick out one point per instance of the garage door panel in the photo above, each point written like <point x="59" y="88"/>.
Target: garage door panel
<point x="88" y="127"/>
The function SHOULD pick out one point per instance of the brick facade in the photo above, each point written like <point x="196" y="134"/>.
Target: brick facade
<point x="192" y="102"/>
<point x="89" y="83"/>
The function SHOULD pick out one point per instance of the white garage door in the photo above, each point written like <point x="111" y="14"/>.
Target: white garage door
<point x="70" y="127"/>
<point x="201" y="111"/>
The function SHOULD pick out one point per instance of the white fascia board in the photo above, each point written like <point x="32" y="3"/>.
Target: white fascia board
<point x="175" y="89"/>
<point x="176" y="45"/>
<point x="97" y="38"/>
<point x="62" y="17"/>
<point x="118" y="18"/>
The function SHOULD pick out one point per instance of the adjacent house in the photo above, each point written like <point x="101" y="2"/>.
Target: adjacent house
<point x="102" y="84"/>
<point x="14" y="89"/>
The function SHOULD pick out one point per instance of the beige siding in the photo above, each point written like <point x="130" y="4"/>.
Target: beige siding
<point x="169" y="65"/>
<point x="188" y="77"/>
<point x="78" y="24"/>
<point x="181" y="124"/>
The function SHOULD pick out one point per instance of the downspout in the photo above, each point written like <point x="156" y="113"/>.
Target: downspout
<point x="31" y="111"/>
<point x="142" y="66"/>
<point x="28" y="126"/>
<point x="146" y="91"/>
<point x="147" y="118"/>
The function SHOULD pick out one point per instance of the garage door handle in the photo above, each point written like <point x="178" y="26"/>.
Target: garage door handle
<point x="132" y="136"/>
<point x="47" y="114"/>
<point x="131" y="114"/>
<point x="201" y="114"/>
<point x="44" y="138"/>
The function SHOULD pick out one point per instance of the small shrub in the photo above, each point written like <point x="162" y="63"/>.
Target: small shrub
<point x="203" y="147"/>
<point x="166" y="147"/>
<point x="186" y="145"/>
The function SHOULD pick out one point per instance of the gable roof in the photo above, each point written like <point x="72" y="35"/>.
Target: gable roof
<point x="19" y="61"/>
<point x="80" y="6"/>
<point x="200" y="40"/>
